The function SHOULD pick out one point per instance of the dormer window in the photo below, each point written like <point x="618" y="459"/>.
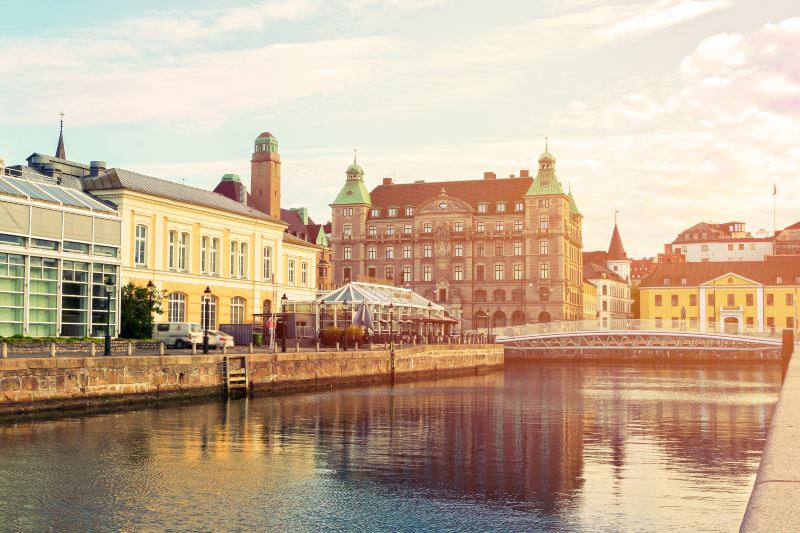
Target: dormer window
<point x="483" y="208"/>
<point x="375" y="213"/>
<point x="666" y="281"/>
<point x="501" y="207"/>
<point x="683" y="281"/>
<point x="392" y="211"/>
<point x="779" y="279"/>
<point x="519" y="206"/>
<point x="409" y="211"/>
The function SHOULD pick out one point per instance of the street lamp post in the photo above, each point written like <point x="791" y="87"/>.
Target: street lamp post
<point x="207" y="315"/>
<point x="284" y="299"/>
<point x="345" y="324"/>
<point x="391" y="321"/>
<point x="430" y="326"/>
<point x="109" y="292"/>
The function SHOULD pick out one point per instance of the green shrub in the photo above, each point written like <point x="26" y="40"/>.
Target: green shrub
<point x="332" y="334"/>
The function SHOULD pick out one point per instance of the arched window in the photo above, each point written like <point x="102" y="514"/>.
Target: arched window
<point x="544" y="294"/>
<point x="517" y="318"/>
<point x="499" y="319"/>
<point x="267" y="263"/>
<point x="176" y="309"/>
<point x="234" y="255"/>
<point x="499" y="295"/>
<point x="172" y="251"/>
<point x="140" y="245"/>
<point x="544" y="316"/>
<point x="208" y="312"/>
<point x="237" y="310"/>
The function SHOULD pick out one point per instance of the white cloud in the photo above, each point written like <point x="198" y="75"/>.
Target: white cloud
<point x="665" y="13"/>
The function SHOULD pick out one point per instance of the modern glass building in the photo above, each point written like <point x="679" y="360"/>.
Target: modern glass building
<point x="58" y="247"/>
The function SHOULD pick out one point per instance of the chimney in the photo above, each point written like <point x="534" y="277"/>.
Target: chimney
<point x="388" y="181"/>
<point x="243" y="194"/>
<point x="489" y="176"/>
<point x="511" y="176"/>
<point x="96" y="168"/>
<point x="525" y="173"/>
<point x="419" y="181"/>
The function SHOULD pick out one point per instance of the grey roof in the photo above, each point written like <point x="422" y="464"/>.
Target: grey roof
<point x="118" y="178"/>
<point x="33" y="174"/>
<point x="54" y="159"/>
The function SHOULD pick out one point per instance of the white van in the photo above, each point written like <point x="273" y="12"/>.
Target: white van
<point x="178" y="334"/>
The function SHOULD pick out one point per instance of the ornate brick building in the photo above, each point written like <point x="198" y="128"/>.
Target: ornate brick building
<point x="499" y="251"/>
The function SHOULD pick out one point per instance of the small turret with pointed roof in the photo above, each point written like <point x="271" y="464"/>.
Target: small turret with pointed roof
<point x="616" y="251"/>
<point x="60" y="152"/>
<point x="616" y="258"/>
<point x="573" y="205"/>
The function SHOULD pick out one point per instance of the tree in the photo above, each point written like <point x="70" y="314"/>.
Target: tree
<point x="137" y="307"/>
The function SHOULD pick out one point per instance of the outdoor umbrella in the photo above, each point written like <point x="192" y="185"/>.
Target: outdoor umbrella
<point x="364" y="318"/>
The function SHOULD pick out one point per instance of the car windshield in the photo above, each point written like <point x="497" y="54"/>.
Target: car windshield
<point x="196" y="328"/>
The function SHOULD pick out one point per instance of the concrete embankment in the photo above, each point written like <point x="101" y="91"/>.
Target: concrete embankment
<point x="41" y="384"/>
<point x="775" y="501"/>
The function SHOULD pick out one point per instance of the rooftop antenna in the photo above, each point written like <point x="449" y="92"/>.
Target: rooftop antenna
<point x="354" y="155"/>
<point x="545" y="144"/>
<point x="616" y="212"/>
<point x="61" y="115"/>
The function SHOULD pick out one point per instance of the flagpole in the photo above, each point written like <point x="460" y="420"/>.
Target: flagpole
<point x="774" y="194"/>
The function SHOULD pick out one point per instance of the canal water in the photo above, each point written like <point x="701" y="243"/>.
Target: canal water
<point x="547" y="447"/>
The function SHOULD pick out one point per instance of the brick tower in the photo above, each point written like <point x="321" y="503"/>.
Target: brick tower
<point x="265" y="175"/>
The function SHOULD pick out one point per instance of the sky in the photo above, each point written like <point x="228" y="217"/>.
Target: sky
<point x="671" y="112"/>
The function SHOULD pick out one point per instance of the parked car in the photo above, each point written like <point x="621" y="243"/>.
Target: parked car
<point x="178" y="334"/>
<point x="218" y="339"/>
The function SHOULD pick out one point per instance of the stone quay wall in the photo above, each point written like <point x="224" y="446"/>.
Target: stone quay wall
<point x="41" y="384"/>
<point x="775" y="499"/>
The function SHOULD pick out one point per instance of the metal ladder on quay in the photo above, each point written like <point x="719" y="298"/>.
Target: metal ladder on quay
<point x="235" y="372"/>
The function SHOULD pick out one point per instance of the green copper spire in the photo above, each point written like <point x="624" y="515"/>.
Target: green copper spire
<point x="546" y="182"/>
<point x="573" y="207"/>
<point x="354" y="190"/>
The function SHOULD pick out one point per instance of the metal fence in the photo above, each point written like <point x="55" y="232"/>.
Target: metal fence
<point x="577" y="326"/>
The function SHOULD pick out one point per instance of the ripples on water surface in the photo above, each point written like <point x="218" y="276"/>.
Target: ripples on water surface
<point x="533" y="447"/>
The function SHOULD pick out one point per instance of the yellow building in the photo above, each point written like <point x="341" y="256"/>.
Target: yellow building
<point x="185" y="239"/>
<point x="589" y="300"/>
<point x="725" y="296"/>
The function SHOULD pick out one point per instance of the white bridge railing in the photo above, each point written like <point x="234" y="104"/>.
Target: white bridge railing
<point x="666" y="326"/>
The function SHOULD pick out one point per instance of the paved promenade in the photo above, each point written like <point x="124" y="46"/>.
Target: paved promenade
<point x="775" y="502"/>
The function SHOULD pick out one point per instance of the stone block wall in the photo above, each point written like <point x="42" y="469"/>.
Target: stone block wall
<point x="35" y="384"/>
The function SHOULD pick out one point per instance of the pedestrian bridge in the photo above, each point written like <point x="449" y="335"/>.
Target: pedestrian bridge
<point x="632" y="334"/>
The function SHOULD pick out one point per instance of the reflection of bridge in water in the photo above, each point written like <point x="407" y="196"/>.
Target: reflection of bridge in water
<point x="646" y="337"/>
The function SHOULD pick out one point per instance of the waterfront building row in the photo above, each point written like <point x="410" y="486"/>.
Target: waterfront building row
<point x="717" y="296"/>
<point x="71" y="235"/>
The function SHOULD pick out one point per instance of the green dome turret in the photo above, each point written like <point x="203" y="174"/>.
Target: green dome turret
<point x="231" y="177"/>
<point x="546" y="181"/>
<point x="354" y="190"/>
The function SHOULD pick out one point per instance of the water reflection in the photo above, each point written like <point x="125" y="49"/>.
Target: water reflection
<point x="552" y="447"/>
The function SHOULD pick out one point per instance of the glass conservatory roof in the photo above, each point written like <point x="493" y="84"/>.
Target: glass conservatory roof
<point x="357" y="292"/>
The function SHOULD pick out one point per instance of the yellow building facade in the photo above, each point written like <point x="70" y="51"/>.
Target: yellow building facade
<point x="589" y="300"/>
<point x="184" y="239"/>
<point x="734" y="296"/>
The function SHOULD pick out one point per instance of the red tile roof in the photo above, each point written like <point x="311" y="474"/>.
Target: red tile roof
<point x="471" y="191"/>
<point x="764" y="272"/>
